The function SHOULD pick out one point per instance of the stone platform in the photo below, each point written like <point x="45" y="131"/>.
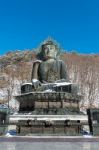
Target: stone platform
<point x="50" y="139"/>
<point x="48" y="124"/>
<point x="48" y="100"/>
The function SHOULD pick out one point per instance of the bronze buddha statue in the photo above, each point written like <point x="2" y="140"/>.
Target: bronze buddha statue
<point x="49" y="69"/>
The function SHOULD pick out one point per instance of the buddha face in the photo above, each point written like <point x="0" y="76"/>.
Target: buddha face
<point x="49" y="51"/>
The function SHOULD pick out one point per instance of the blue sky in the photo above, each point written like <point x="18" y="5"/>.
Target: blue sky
<point x="24" y="24"/>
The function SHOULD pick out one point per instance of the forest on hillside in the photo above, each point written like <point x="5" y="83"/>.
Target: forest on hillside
<point x="82" y="70"/>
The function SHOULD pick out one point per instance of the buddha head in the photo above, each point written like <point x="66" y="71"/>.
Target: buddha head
<point x="49" y="50"/>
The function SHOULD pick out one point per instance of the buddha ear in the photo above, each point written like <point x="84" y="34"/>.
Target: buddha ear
<point x="55" y="54"/>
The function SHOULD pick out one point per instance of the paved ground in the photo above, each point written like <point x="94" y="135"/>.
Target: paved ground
<point x="49" y="146"/>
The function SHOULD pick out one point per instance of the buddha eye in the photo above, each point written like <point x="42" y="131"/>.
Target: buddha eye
<point x="45" y="48"/>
